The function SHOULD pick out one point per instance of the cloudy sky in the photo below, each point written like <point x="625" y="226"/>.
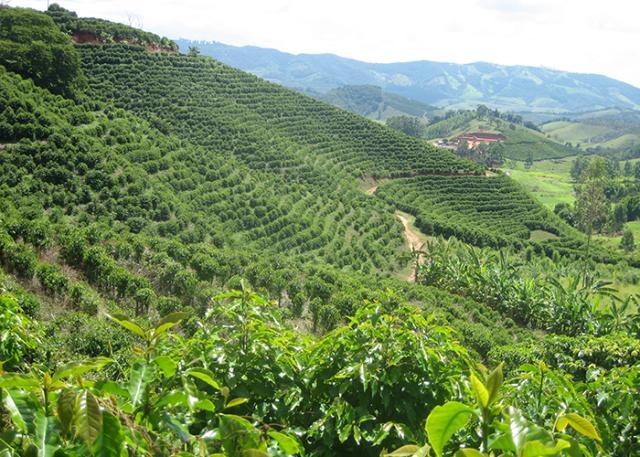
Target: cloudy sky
<point x="589" y="36"/>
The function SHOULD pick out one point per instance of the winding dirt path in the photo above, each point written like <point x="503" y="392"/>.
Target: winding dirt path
<point x="413" y="239"/>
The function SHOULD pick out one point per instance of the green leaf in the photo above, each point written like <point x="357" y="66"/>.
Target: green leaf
<point x="124" y="321"/>
<point x="205" y="376"/>
<point x="15" y="414"/>
<point x="494" y="382"/>
<point x="88" y="417"/>
<point x="537" y="448"/>
<point x="110" y="443"/>
<point x="205" y="405"/>
<point x="288" y="444"/>
<point x="22" y="408"/>
<point x="254" y="453"/>
<point x="47" y="436"/>
<point x="167" y="365"/>
<point x="112" y="388"/>
<point x="18" y="381"/>
<point x="66" y="409"/>
<point x="167" y="322"/>
<point x="479" y="390"/>
<point x="444" y="421"/>
<point x="80" y="368"/>
<point x="139" y="377"/>
<point x="175" y="397"/>
<point x="408" y="450"/>
<point x="579" y="424"/>
<point x="519" y="428"/>
<point x="236" y="402"/>
<point x="237" y="432"/>
<point x="466" y="452"/>
<point x="177" y="426"/>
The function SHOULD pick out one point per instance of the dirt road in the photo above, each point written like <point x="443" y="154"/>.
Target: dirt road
<point x="413" y="239"/>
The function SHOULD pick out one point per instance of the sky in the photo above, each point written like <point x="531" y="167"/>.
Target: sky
<point x="585" y="36"/>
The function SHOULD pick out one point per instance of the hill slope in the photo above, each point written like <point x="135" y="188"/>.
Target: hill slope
<point x="374" y="103"/>
<point x="521" y="141"/>
<point x="515" y="88"/>
<point x="613" y="129"/>
<point x="223" y="109"/>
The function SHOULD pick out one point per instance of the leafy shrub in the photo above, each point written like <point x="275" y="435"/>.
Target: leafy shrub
<point x="19" y="336"/>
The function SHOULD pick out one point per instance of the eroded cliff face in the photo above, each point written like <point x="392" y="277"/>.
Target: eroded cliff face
<point x="92" y="38"/>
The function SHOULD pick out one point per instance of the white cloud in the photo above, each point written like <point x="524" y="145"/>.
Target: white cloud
<point x="574" y="35"/>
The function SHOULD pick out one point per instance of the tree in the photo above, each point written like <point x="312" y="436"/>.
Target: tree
<point x="34" y="47"/>
<point x="627" y="243"/>
<point x="618" y="218"/>
<point x="565" y="211"/>
<point x="592" y="206"/>
<point x="578" y="167"/>
<point x="529" y="163"/>
<point x="495" y="155"/>
<point x="408" y="125"/>
<point x="193" y="51"/>
<point x="628" y="170"/>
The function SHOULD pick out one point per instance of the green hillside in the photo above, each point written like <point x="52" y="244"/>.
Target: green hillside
<point x="482" y="211"/>
<point x="610" y="130"/>
<point x="522" y="141"/>
<point x="374" y="103"/>
<point x="196" y="262"/>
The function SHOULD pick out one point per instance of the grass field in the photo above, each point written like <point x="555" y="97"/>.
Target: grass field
<point x="547" y="180"/>
<point x="550" y="182"/>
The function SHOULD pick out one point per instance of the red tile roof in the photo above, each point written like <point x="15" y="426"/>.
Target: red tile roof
<point x="479" y="136"/>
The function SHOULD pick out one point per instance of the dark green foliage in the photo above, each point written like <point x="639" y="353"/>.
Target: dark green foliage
<point x="19" y="336"/>
<point x="566" y="212"/>
<point x="32" y="45"/>
<point x="102" y="31"/>
<point x="627" y="242"/>
<point x="406" y="124"/>
<point x="52" y="280"/>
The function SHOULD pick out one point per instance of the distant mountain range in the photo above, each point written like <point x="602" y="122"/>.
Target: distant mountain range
<point x="514" y="88"/>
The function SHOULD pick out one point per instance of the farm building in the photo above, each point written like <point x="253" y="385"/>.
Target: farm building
<point x="475" y="139"/>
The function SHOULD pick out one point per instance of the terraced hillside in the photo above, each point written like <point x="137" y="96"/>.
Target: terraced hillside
<point x="484" y="211"/>
<point x="320" y="148"/>
<point x="262" y="124"/>
<point x="309" y="216"/>
<point x="97" y="206"/>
